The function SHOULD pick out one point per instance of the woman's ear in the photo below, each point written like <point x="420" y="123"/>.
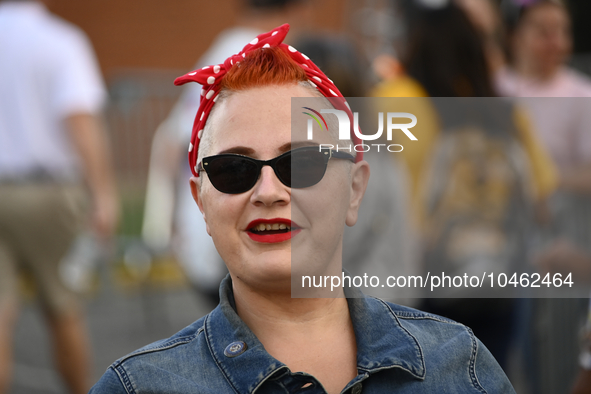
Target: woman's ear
<point x="359" y="178"/>
<point x="194" y="183"/>
<point x="195" y="190"/>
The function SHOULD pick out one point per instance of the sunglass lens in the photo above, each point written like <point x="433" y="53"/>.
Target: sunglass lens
<point x="307" y="167"/>
<point x="232" y="175"/>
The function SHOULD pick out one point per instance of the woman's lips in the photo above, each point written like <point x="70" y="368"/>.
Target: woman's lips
<point x="273" y="238"/>
<point x="272" y="230"/>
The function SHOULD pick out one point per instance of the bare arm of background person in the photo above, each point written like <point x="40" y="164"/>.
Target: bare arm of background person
<point x="89" y="138"/>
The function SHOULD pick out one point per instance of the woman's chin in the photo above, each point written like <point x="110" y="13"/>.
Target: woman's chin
<point x="266" y="269"/>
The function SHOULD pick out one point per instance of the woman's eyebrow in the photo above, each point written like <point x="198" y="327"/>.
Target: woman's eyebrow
<point x="239" y="150"/>
<point x="297" y="144"/>
<point x="246" y="151"/>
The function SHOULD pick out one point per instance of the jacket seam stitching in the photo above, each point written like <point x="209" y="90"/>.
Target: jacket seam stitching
<point x="428" y="317"/>
<point x="165" y="346"/>
<point x="473" y="356"/>
<point x="124" y="379"/>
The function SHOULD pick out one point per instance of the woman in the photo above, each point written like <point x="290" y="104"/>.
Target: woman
<point x="540" y="46"/>
<point x="260" y="339"/>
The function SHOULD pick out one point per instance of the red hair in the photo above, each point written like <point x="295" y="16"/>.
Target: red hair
<point x="263" y="67"/>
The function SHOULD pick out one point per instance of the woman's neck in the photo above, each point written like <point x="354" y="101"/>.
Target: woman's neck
<point x="261" y="310"/>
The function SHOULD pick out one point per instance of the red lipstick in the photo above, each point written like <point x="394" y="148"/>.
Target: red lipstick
<point x="272" y="230"/>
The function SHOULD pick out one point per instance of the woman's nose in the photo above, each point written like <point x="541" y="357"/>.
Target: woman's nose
<point x="269" y="190"/>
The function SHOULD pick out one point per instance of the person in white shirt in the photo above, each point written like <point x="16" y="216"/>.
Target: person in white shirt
<point x="52" y="142"/>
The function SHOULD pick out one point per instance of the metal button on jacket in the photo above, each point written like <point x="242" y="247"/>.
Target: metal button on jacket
<point x="235" y="349"/>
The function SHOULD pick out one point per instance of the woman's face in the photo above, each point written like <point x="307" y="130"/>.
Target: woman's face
<point x="257" y="123"/>
<point x="543" y="39"/>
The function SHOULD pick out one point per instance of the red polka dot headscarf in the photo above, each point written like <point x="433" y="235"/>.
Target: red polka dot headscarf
<point x="210" y="77"/>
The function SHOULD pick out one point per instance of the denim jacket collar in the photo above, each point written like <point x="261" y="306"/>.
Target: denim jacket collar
<point x="381" y="343"/>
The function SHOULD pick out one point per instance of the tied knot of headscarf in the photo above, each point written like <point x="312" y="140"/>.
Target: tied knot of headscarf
<point x="210" y="77"/>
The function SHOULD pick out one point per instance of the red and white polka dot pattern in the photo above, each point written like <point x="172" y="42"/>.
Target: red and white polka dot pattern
<point x="210" y="77"/>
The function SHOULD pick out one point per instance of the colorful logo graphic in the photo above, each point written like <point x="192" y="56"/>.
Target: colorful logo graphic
<point x="315" y="118"/>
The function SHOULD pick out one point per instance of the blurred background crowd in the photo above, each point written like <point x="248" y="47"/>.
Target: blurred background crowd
<point x="98" y="224"/>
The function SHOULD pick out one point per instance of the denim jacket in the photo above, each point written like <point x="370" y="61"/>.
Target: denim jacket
<point x="399" y="350"/>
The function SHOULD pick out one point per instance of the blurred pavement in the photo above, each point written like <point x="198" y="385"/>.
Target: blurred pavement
<point x="120" y="321"/>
